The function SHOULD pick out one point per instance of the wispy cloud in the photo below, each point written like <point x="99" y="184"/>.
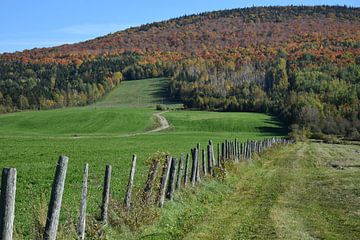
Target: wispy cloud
<point x="21" y="43"/>
<point x="55" y="37"/>
<point x="92" y="29"/>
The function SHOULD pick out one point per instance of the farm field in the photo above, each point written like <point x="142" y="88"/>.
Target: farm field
<point x="108" y="132"/>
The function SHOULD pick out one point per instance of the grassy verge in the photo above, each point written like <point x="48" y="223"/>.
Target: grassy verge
<point x="288" y="193"/>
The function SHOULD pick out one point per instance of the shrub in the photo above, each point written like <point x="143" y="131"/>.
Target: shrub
<point x="299" y="133"/>
<point x="160" y="107"/>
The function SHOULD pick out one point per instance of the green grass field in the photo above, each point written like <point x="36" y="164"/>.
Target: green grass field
<point x="139" y="94"/>
<point x="101" y="134"/>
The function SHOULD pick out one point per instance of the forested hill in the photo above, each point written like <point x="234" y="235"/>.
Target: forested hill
<point x="300" y="63"/>
<point x="246" y="33"/>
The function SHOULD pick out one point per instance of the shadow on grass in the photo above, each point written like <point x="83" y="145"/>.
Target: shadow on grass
<point x="161" y="94"/>
<point x="278" y="128"/>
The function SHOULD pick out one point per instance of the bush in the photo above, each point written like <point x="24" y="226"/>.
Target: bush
<point x="299" y="133"/>
<point x="160" y="107"/>
<point x="353" y="134"/>
<point x="2" y="109"/>
<point x="326" y="138"/>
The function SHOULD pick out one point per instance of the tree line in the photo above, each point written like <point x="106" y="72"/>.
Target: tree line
<point x="319" y="97"/>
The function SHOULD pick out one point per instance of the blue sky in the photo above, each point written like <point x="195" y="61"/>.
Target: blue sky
<point x="25" y="24"/>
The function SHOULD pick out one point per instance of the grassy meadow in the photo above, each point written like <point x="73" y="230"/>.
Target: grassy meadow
<point x="101" y="134"/>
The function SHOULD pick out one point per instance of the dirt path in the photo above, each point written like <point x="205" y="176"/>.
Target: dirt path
<point x="164" y="124"/>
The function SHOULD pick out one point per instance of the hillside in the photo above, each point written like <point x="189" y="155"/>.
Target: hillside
<point x="299" y="63"/>
<point x="241" y="33"/>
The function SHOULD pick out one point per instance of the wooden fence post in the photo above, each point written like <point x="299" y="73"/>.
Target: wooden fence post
<point x="57" y="190"/>
<point x="180" y="173"/>
<point x="106" y="195"/>
<point x="210" y="157"/>
<point x="164" y="180"/>
<point x="218" y="155"/>
<point x="198" y="152"/>
<point x="186" y="174"/>
<point x="235" y="150"/>
<point x="193" y="167"/>
<point x="247" y="150"/>
<point x="230" y="150"/>
<point x="197" y="155"/>
<point x="7" y="203"/>
<point x="251" y="149"/>
<point x="223" y="152"/>
<point x="212" y="153"/>
<point x="150" y="181"/>
<point x="204" y="162"/>
<point x="243" y="150"/>
<point x="127" y="200"/>
<point x="82" y="217"/>
<point x="172" y="179"/>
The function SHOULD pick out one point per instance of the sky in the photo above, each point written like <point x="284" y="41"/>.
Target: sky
<point x="26" y="24"/>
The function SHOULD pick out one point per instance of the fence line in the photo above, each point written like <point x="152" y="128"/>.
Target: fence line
<point x="174" y="176"/>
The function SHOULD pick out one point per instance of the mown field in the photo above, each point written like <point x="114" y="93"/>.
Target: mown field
<point x="103" y="134"/>
<point x="290" y="192"/>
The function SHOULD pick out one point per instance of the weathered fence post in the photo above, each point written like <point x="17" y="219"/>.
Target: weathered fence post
<point x="150" y="181"/>
<point x="198" y="151"/>
<point x="106" y="195"/>
<point x="181" y="168"/>
<point x="230" y="150"/>
<point x="7" y="203"/>
<point x="212" y="153"/>
<point x="127" y="200"/>
<point x="82" y="217"/>
<point x="186" y="174"/>
<point x="247" y="150"/>
<point x="193" y="167"/>
<point x="57" y="190"/>
<point x="243" y="151"/>
<point x="172" y="179"/>
<point x="237" y="155"/>
<point x="223" y="152"/>
<point x="210" y="157"/>
<point x="197" y="155"/>
<point x="164" y="180"/>
<point x="204" y="162"/>
<point x="218" y="155"/>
